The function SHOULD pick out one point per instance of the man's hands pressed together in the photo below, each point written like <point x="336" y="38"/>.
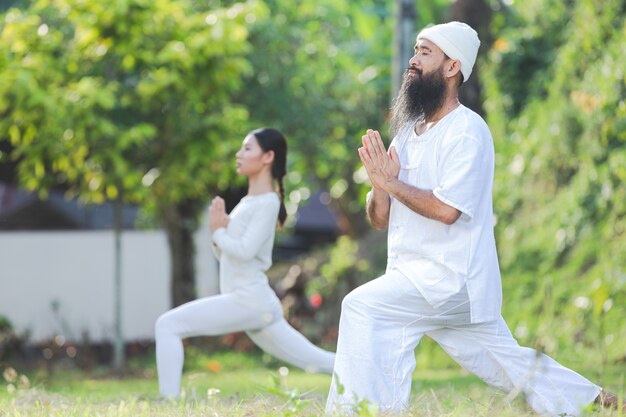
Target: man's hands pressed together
<point x="382" y="167"/>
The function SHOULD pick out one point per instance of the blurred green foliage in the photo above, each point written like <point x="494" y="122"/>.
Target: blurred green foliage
<point x="555" y="98"/>
<point x="124" y="96"/>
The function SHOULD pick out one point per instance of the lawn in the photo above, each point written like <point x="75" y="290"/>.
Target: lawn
<point x="235" y="384"/>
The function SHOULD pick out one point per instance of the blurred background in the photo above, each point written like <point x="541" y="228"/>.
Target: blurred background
<point x="119" y="121"/>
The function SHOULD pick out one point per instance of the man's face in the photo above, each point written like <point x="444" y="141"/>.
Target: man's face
<point x="427" y="57"/>
<point x="425" y="76"/>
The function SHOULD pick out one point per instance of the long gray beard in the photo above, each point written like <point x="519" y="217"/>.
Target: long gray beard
<point x="419" y="98"/>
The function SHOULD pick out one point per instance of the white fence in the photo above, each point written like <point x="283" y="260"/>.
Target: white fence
<point x="61" y="283"/>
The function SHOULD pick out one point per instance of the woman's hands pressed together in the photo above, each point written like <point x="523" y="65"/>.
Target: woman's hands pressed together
<point x="217" y="214"/>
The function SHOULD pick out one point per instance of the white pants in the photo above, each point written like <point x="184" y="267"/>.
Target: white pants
<point x="222" y="314"/>
<point x="383" y="321"/>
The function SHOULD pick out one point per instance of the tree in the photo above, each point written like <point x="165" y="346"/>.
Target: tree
<point x="128" y="98"/>
<point x="405" y="19"/>
<point x="477" y="14"/>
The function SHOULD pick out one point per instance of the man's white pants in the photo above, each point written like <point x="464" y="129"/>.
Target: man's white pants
<point x="383" y="321"/>
<point x="222" y="314"/>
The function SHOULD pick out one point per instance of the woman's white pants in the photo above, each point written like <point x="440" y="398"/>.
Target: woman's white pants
<point x="222" y="314"/>
<point x="383" y="321"/>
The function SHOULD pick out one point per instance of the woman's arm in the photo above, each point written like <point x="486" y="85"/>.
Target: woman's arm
<point x="260" y="228"/>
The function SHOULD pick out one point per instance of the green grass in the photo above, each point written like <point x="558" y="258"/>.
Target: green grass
<point x="232" y="384"/>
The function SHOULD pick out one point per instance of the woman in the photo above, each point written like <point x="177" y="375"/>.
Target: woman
<point x="242" y="241"/>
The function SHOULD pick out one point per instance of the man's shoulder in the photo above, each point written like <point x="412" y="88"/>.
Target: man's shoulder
<point x="469" y="123"/>
<point x="467" y="130"/>
<point x="472" y="118"/>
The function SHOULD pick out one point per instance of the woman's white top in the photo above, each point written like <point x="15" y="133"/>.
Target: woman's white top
<point x="244" y="250"/>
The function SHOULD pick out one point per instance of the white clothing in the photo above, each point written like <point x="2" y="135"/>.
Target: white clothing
<point x="244" y="248"/>
<point x="443" y="281"/>
<point x="454" y="159"/>
<point x="381" y="324"/>
<point x="226" y="313"/>
<point x="247" y="302"/>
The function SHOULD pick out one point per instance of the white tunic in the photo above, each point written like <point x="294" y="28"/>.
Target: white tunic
<point x="454" y="159"/>
<point x="245" y="252"/>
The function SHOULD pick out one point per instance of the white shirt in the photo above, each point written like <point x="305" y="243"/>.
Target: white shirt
<point x="454" y="159"/>
<point x="244" y="249"/>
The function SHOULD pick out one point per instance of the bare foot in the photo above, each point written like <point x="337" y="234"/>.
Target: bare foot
<point x="609" y="400"/>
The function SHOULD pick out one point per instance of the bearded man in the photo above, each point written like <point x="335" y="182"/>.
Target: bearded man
<point x="433" y="192"/>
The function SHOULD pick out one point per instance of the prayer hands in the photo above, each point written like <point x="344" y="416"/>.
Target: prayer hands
<point x="381" y="166"/>
<point x="217" y="214"/>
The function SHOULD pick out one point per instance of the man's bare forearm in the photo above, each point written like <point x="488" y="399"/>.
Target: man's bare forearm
<point x="377" y="208"/>
<point x="422" y="202"/>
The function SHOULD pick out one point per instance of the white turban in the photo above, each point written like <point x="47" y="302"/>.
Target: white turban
<point x="457" y="40"/>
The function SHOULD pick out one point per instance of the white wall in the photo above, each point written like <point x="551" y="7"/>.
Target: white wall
<point x="76" y="270"/>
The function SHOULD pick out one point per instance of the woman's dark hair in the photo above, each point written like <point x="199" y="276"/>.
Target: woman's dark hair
<point x="270" y="139"/>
